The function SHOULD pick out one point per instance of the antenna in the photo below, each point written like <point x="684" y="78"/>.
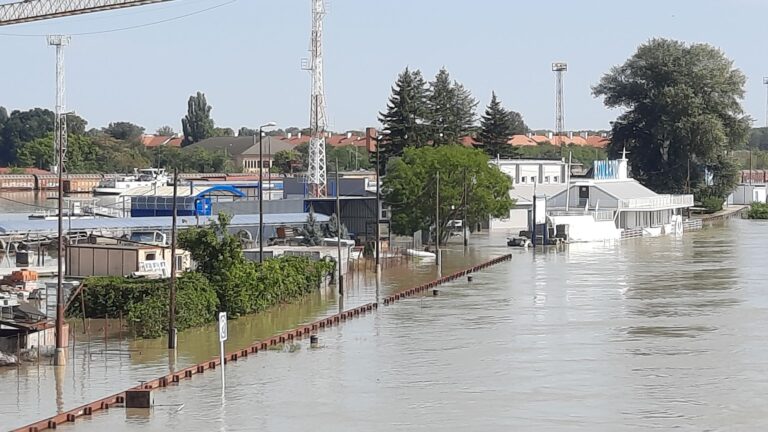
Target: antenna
<point x="317" y="119"/>
<point x="559" y="68"/>
<point x="765" y="81"/>
<point x="60" y="134"/>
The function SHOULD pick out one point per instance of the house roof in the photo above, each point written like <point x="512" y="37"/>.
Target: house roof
<point x="468" y="141"/>
<point x="523" y="193"/>
<point x="521" y="140"/>
<point x="597" y="141"/>
<point x="540" y="138"/>
<point x="625" y="189"/>
<point x="160" y="140"/>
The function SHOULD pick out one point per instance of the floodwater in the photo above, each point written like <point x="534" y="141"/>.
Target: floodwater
<point x="664" y="333"/>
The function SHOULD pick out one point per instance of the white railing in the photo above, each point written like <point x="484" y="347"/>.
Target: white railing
<point x="659" y="202"/>
<point x="692" y="225"/>
<point x="599" y="215"/>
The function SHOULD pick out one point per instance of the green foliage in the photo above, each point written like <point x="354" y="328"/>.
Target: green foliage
<point x="450" y="110"/>
<point x="124" y="131"/>
<point x="312" y="231"/>
<point x="712" y="203"/>
<point x="331" y="231"/>
<point x="406" y="111"/>
<point x="758" y="210"/>
<point x="496" y="128"/>
<point x="758" y="138"/>
<point x="349" y="157"/>
<point x="223" y="132"/>
<point x="682" y="114"/>
<point x="409" y="188"/>
<point x="246" y="131"/>
<point x="197" y="125"/>
<point x="286" y="161"/>
<point x="212" y="247"/>
<point x="195" y="160"/>
<point x="585" y="155"/>
<point x="165" y="131"/>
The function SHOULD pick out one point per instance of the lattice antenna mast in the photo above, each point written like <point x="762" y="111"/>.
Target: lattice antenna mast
<point x="317" y="119"/>
<point x="765" y="81"/>
<point x="559" y="69"/>
<point x="60" y="127"/>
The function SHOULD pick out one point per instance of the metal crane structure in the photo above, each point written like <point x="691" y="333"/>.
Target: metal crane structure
<point x="317" y="120"/>
<point x="559" y="69"/>
<point x="37" y="10"/>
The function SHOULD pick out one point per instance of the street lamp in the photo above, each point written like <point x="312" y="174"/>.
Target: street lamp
<point x="378" y="203"/>
<point x="261" y="190"/>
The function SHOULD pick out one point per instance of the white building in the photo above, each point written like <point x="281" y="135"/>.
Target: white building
<point x="609" y="196"/>
<point x="745" y="194"/>
<point x="533" y="171"/>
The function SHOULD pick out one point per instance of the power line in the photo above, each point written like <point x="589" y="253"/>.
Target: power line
<point x="134" y="27"/>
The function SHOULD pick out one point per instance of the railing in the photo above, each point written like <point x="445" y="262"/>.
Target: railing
<point x="597" y="215"/>
<point x="628" y="233"/>
<point x="659" y="202"/>
<point x="692" y="225"/>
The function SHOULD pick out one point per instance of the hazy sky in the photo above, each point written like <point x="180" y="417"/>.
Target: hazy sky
<point x="246" y="56"/>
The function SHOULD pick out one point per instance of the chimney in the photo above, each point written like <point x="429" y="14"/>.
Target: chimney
<point x="290" y="135"/>
<point x="549" y="136"/>
<point x="298" y="135"/>
<point x="529" y="134"/>
<point x="570" y="135"/>
<point x="349" y="135"/>
<point x="585" y="134"/>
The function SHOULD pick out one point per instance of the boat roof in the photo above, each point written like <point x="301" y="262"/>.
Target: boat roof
<point x="47" y="227"/>
<point x="185" y="191"/>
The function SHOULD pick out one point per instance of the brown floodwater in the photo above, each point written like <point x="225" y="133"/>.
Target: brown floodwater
<point x="663" y="333"/>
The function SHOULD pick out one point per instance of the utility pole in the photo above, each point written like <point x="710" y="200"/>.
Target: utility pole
<point x="378" y="205"/>
<point x="765" y="81"/>
<point x="466" y="200"/>
<point x="261" y="199"/>
<point x="568" y="182"/>
<point x="60" y="140"/>
<point x="437" y="221"/>
<point x="172" y="300"/>
<point x="338" y="230"/>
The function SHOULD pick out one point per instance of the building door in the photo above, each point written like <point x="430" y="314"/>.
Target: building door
<point x="583" y="195"/>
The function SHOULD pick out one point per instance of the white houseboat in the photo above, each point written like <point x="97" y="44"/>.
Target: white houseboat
<point x="610" y="205"/>
<point x="140" y="178"/>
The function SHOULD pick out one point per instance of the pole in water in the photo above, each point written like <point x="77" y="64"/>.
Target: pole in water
<point x="435" y="292"/>
<point x="313" y="341"/>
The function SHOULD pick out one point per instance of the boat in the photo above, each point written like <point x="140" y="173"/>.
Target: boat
<point x="419" y="254"/>
<point x="139" y="178"/>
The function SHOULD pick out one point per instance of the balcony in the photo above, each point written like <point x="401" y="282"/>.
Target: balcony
<point x="660" y="202"/>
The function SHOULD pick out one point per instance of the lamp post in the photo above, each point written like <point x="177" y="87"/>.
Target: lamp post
<point x="261" y="190"/>
<point x="378" y="203"/>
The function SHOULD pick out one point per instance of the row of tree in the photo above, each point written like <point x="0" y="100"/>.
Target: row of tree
<point x="421" y="113"/>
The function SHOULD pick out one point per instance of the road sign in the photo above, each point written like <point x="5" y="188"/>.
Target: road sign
<point x="222" y="326"/>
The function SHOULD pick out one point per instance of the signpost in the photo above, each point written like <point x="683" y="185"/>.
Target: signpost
<point x="222" y="338"/>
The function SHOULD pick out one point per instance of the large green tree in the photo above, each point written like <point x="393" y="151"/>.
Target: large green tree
<point x="404" y="121"/>
<point x="197" y="125"/>
<point x="124" y="131"/>
<point x="682" y="116"/>
<point x="496" y="127"/>
<point x="410" y="188"/>
<point x="451" y="110"/>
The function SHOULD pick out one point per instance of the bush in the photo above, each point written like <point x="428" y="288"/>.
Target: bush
<point x="712" y="204"/>
<point x="758" y="210"/>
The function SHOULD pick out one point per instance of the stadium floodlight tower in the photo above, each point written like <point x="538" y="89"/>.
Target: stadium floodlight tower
<point x="60" y="119"/>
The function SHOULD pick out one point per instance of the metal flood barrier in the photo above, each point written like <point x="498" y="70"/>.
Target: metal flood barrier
<point x="306" y="330"/>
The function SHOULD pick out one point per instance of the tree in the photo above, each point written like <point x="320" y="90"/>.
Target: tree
<point x="330" y="231"/>
<point x="287" y="160"/>
<point x="451" y="110"/>
<point x="758" y="138"/>
<point x="20" y="127"/>
<point x="212" y="247"/>
<point x="410" y="188"/>
<point x="37" y="153"/>
<point x="197" y="124"/>
<point x="496" y="129"/>
<point x="246" y="131"/>
<point x="683" y="114"/>
<point x="350" y="157"/>
<point x="124" y="131"/>
<point x="223" y="132"/>
<point x="165" y="131"/>
<point x="518" y="125"/>
<point x="312" y="231"/>
<point x="406" y="114"/>
<point x="3" y="116"/>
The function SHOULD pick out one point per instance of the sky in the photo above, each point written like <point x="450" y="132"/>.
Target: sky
<point x="245" y="55"/>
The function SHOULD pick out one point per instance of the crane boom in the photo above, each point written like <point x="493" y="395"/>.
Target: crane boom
<point x="37" y="10"/>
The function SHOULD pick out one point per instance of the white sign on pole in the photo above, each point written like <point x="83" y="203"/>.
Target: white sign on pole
<point x="222" y="326"/>
<point x="222" y="338"/>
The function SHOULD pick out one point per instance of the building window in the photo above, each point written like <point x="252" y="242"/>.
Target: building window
<point x="555" y="180"/>
<point x="533" y="179"/>
<point x="546" y="179"/>
<point x="523" y="180"/>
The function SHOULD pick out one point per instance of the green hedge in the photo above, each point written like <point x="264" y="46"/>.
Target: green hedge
<point x="758" y="210"/>
<point x="246" y="288"/>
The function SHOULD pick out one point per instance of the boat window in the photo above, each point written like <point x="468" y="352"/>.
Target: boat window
<point x="151" y="256"/>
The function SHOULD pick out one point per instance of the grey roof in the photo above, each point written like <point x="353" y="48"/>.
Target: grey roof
<point x="244" y="145"/>
<point x="523" y="193"/>
<point x="159" y="223"/>
<point x="626" y="189"/>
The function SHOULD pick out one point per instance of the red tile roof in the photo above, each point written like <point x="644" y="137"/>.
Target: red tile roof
<point x="468" y="141"/>
<point x="33" y="171"/>
<point x="597" y="141"/>
<point x="160" y="140"/>
<point x="521" y="140"/>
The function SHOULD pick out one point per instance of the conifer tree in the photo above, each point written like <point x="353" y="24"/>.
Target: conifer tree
<point x="403" y="121"/>
<point x="496" y="128"/>
<point x="451" y="110"/>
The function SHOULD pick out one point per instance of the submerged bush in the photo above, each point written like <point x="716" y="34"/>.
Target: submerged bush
<point x="758" y="210"/>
